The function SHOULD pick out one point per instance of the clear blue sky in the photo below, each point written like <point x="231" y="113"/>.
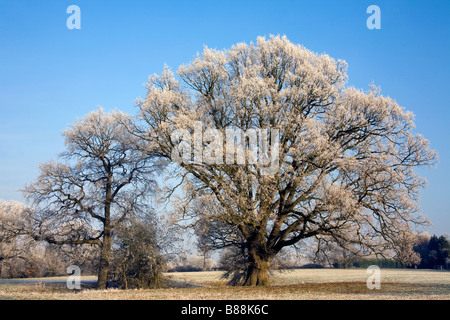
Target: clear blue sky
<point x="50" y="75"/>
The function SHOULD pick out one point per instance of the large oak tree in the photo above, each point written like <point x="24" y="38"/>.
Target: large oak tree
<point x="346" y="158"/>
<point x="101" y="179"/>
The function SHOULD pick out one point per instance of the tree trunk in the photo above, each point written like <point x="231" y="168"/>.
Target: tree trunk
<point x="259" y="263"/>
<point x="258" y="274"/>
<point x="105" y="259"/>
<point x="105" y="254"/>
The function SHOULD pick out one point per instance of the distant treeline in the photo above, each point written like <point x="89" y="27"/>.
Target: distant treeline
<point x="434" y="253"/>
<point x="366" y="262"/>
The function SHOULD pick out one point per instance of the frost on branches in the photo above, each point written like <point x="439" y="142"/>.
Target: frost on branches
<point x="346" y="158"/>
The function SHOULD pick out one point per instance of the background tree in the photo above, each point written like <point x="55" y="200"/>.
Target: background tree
<point x="22" y="256"/>
<point x="329" y="253"/>
<point x="203" y="245"/>
<point x="15" y="247"/>
<point x="103" y="178"/>
<point x="434" y="251"/>
<point x="345" y="158"/>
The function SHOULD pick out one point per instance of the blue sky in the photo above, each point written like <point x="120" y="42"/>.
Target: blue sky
<point x="50" y="75"/>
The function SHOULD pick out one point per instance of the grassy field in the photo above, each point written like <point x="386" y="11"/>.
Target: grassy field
<point x="302" y="284"/>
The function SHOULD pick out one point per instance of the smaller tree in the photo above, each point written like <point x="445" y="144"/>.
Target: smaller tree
<point x="203" y="245"/>
<point x="104" y="178"/>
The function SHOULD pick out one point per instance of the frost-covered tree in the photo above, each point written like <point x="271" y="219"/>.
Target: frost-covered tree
<point x="22" y="256"/>
<point x="341" y="160"/>
<point x="102" y="178"/>
<point x="14" y="245"/>
<point x="14" y="220"/>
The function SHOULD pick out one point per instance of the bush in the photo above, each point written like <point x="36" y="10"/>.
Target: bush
<point x="136" y="261"/>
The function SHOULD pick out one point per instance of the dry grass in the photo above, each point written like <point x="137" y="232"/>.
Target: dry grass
<point x="292" y="285"/>
<point x="305" y="276"/>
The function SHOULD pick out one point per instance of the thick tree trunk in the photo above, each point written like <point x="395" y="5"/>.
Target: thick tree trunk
<point x="259" y="263"/>
<point x="105" y="259"/>
<point x="258" y="274"/>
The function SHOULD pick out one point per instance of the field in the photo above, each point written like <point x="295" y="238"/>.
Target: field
<point x="301" y="284"/>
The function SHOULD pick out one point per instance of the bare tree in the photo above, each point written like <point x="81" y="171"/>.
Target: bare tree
<point x="344" y="159"/>
<point x="102" y="179"/>
<point x="202" y="231"/>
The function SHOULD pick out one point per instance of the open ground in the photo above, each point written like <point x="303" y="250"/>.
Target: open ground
<point x="300" y="284"/>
